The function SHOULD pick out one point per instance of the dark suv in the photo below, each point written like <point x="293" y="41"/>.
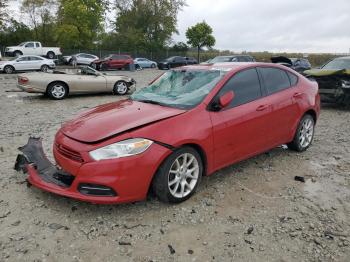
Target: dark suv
<point x="297" y="64"/>
<point x="113" y="62"/>
<point x="176" y="61"/>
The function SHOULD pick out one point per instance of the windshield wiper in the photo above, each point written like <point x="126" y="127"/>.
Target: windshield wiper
<point x="151" y="102"/>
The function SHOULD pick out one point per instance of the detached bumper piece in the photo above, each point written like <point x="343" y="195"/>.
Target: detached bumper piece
<point x="33" y="157"/>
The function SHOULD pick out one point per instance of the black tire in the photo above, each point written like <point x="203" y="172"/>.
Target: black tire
<point x="297" y="144"/>
<point x="153" y="65"/>
<point x="59" y="86"/>
<point x="17" y="53"/>
<point x="9" y="69"/>
<point x="160" y="183"/>
<point x="50" y="55"/>
<point x="120" y="88"/>
<point x="44" y="68"/>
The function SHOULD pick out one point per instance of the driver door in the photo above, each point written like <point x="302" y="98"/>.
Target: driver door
<point x="89" y="82"/>
<point x="240" y="129"/>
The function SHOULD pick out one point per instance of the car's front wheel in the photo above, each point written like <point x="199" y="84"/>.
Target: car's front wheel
<point x="120" y="88"/>
<point x="153" y="65"/>
<point x="179" y="176"/>
<point x="57" y="90"/>
<point x="304" y="134"/>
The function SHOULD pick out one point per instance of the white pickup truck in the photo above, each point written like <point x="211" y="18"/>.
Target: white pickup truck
<point x="33" y="48"/>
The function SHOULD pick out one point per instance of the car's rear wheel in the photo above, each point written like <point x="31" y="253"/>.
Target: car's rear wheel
<point x="120" y="88"/>
<point x="50" y="55"/>
<point x="179" y="176"/>
<point x="44" y="68"/>
<point x="153" y="66"/>
<point x="9" y="69"/>
<point x="57" y="90"/>
<point x="304" y="134"/>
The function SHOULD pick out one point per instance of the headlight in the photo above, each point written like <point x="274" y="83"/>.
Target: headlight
<point x="345" y="84"/>
<point x="124" y="148"/>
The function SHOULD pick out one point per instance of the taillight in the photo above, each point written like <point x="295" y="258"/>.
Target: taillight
<point x="22" y="80"/>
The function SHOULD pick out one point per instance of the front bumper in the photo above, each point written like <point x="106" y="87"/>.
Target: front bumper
<point x="125" y="179"/>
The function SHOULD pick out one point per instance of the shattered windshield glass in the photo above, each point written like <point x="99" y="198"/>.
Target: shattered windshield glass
<point x="180" y="88"/>
<point x="337" y="64"/>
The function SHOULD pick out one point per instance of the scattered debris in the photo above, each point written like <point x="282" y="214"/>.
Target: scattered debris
<point x="299" y="178"/>
<point x="171" y="249"/>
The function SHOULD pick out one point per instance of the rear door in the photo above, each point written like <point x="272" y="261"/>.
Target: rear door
<point x="240" y="130"/>
<point x="284" y="96"/>
<point x="35" y="62"/>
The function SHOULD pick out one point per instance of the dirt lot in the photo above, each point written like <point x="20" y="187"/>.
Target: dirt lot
<point x="252" y="211"/>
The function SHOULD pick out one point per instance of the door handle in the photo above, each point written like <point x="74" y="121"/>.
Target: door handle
<point x="298" y="95"/>
<point x="262" y="107"/>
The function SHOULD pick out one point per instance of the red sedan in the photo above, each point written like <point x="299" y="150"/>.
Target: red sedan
<point x="188" y="123"/>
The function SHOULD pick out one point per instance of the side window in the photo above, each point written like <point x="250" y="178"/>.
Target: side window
<point x="37" y="45"/>
<point x="275" y="79"/>
<point x="245" y="85"/>
<point x="234" y="59"/>
<point x="115" y="57"/>
<point x="293" y="79"/>
<point x="29" y="45"/>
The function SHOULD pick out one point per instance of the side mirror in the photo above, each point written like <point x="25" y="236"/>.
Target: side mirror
<point x="226" y="99"/>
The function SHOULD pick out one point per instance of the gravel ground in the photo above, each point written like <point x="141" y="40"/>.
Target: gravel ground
<point x="251" y="211"/>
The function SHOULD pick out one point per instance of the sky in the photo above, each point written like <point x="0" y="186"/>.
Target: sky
<point x="306" y="26"/>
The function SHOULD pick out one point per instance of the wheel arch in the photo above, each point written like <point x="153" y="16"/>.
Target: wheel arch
<point x="312" y="113"/>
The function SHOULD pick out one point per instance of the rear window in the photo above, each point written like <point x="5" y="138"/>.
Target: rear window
<point x="275" y="79"/>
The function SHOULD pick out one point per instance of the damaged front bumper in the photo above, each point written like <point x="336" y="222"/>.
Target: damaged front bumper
<point x="109" y="181"/>
<point x="48" y="177"/>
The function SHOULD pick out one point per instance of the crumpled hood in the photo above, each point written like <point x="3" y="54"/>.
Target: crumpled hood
<point x="281" y="59"/>
<point x="326" y="72"/>
<point x="99" y="61"/>
<point x="108" y="120"/>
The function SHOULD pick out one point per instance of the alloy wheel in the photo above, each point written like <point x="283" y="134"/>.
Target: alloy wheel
<point x="183" y="175"/>
<point x="58" y="91"/>
<point x="121" y="87"/>
<point x="306" y="132"/>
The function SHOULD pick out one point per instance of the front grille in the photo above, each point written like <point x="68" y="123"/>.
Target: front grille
<point x="96" y="190"/>
<point x="69" y="153"/>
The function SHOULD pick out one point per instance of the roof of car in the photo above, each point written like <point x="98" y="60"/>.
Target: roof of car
<point x="228" y="66"/>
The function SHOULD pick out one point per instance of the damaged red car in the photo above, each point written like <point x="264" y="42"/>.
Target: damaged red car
<point x="187" y="124"/>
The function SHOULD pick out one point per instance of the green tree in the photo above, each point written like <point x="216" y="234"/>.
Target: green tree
<point x="146" y="24"/>
<point x="80" y="22"/>
<point x="199" y="36"/>
<point x="180" y="46"/>
<point x="14" y="33"/>
<point x="41" y="17"/>
<point x="3" y="12"/>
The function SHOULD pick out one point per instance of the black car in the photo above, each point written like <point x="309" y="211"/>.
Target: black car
<point x="176" y="61"/>
<point x="231" y="58"/>
<point x="297" y="64"/>
<point x="333" y="79"/>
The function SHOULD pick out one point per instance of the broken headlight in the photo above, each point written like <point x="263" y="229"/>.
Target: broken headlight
<point x="124" y="148"/>
<point x="345" y="83"/>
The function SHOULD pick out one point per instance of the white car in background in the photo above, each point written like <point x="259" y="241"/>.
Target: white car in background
<point x="26" y="63"/>
<point x="145" y="63"/>
<point x="81" y="58"/>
